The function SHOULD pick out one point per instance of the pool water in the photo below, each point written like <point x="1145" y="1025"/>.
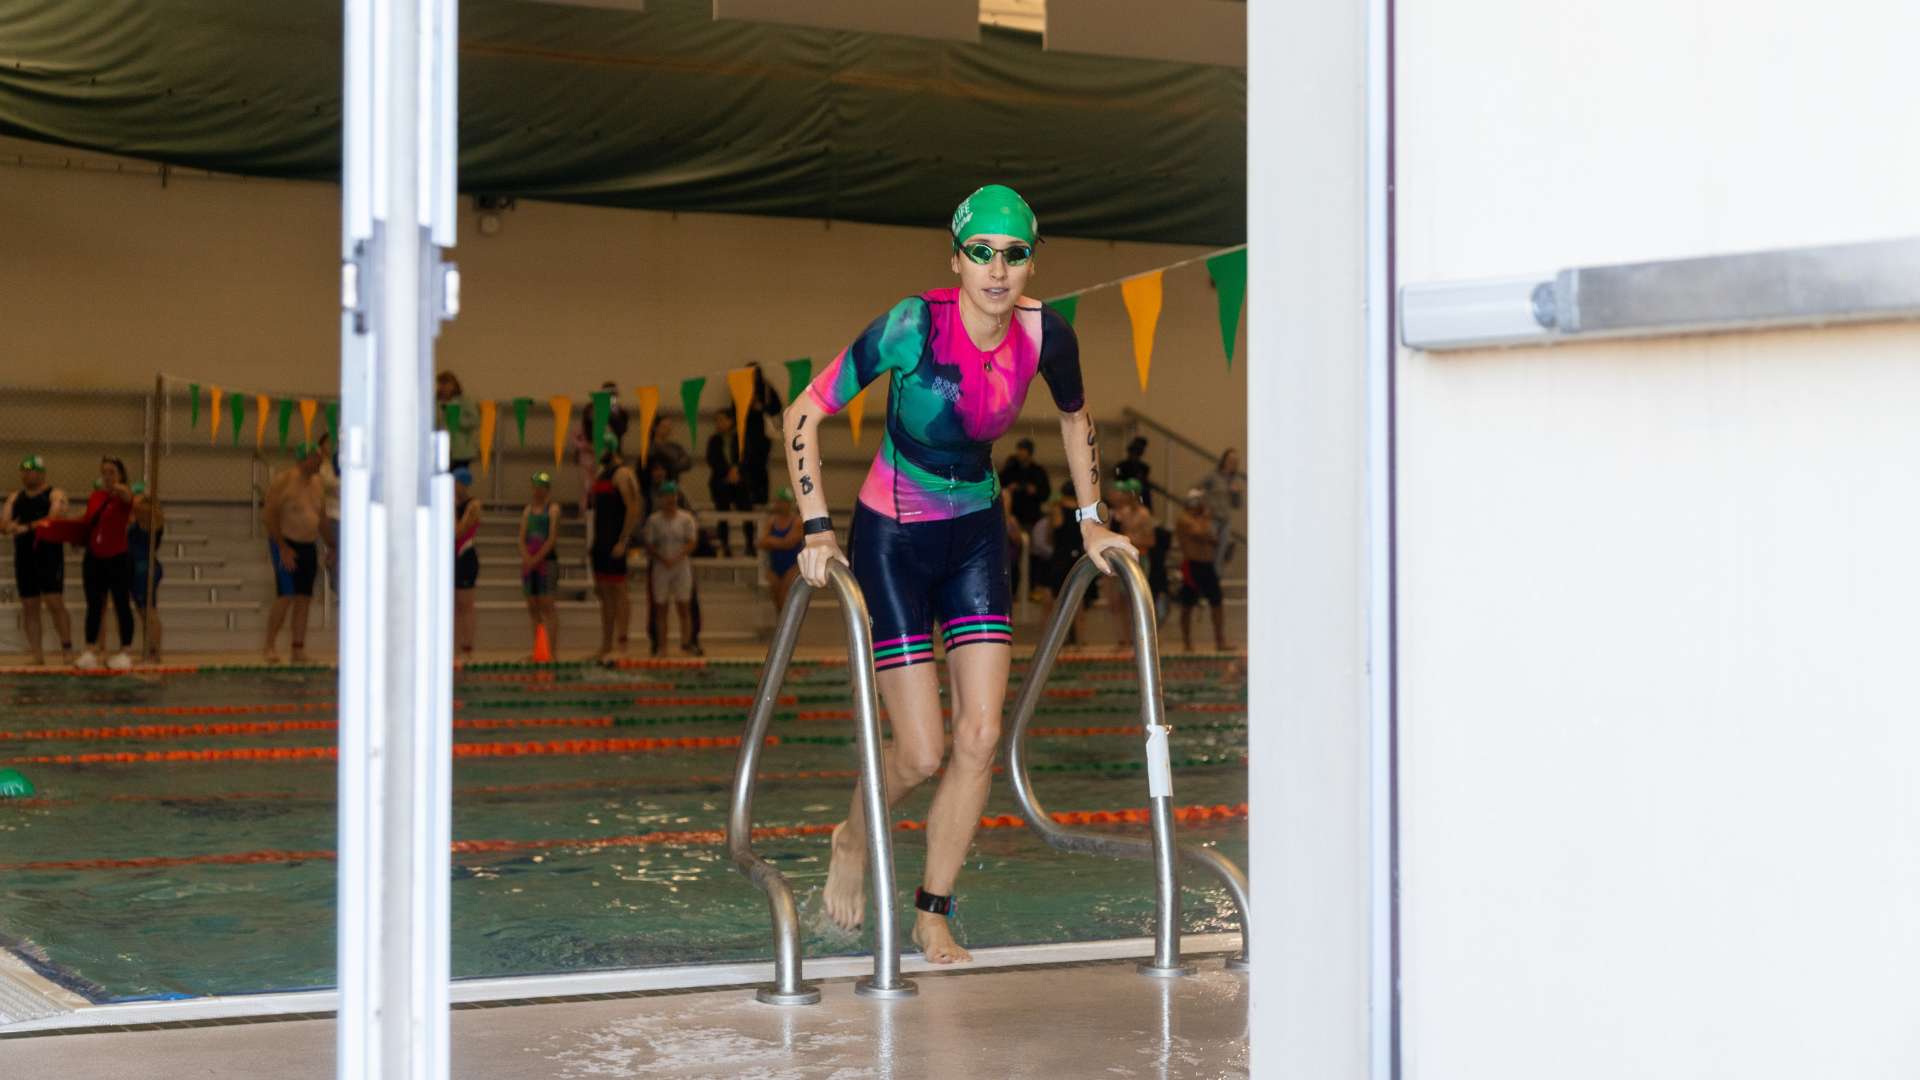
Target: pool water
<point x="186" y="875"/>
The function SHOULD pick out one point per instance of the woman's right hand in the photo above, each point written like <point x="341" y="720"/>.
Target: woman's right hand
<point x="820" y="549"/>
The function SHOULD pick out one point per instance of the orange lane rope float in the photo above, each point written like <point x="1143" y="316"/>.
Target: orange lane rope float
<point x="560" y="747"/>
<point x="1186" y="815"/>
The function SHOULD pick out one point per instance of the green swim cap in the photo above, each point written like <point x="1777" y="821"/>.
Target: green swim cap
<point x="668" y="487"/>
<point x="997" y="210"/>
<point x="786" y="494"/>
<point x="542" y="479"/>
<point x="1129" y="484"/>
<point x="139" y="488"/>
<point x="32" y="463"/>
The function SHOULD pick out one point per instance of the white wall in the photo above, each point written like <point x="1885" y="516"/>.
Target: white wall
<point x="109" y="278"/>
<point x="1658" y="721"/>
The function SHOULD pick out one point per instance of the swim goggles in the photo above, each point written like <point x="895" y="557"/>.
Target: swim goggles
<point x="981" y="253"/>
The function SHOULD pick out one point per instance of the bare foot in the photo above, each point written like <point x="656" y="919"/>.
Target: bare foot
<point x="270" y="657"/>
<point x="846" y="893"/>
<point x="935" y="939"/>
<point x="40" y="660"/>
<point x="299" y="656"/>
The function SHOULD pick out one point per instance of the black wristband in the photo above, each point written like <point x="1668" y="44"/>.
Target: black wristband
<point x="821" y="524"/>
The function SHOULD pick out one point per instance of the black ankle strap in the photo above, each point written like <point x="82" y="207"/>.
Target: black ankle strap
<point x="934" y="903"/>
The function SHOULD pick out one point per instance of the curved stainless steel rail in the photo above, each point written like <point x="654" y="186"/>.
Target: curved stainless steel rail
<point x="1161" y="849"/>
<point x="788" y="987"/>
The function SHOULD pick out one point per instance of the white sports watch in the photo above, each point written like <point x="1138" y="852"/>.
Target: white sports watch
<point x="1095" y="511"/>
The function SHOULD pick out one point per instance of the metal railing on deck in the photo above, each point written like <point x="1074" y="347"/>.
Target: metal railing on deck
<point x="1162" y="848"/>
<point x="788" y="987"/>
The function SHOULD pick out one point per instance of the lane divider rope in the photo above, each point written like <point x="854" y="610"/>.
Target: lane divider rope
<point x="1185" y="815"/>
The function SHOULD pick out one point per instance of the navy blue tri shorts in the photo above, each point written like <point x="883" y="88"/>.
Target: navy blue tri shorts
<point x="950" y="575"/>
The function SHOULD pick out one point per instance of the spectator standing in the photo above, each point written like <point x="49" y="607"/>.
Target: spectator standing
<point x="726" y="482"/>
<point x="1134" y="467"/>
<point x="1025" y="480"/>
<point x="107" y="568"/>
<point x="782" y="540"/>
<point x="462" y="447"/>
<point x="146" y="531"/>
<point x="1134" y="521"/>
<point x="1223" y="489"/>
<point x="670" y="535"/>
<point x="763" y="406"/>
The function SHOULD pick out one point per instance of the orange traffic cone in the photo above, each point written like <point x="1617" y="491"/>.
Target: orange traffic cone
<point x="542" y="648"/>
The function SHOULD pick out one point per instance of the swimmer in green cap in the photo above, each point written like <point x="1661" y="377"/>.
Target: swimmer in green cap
<point x="781" y="538"/>
<point x="540" y="560"/>
<point x="928" y="540"/>
<point x="39" y="569"/>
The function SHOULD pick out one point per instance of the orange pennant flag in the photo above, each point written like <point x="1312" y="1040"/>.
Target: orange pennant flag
<point x="740" y="381"/>
<point x="562" y="406"/>
<point x="1142" y="297"/>
<point x="260" y="426"/>
<point x="856" y="412"/>
<point x="489" y="416"/>
<point x="213" y="417"/>
<point x="649" y="405"/>
<point x="308" y="407"/>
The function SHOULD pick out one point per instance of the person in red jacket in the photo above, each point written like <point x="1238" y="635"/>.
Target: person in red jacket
<point x="107" y="569"/>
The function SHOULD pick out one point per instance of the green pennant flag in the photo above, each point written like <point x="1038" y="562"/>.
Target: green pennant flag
<point x="1230" y="280"/>
<point x="239" y="410"/>
<point x="1067" y="306"/>
<point x="602" y="415"/>
<point x="286" y="418"/>
<point x="690" y="400"/>
<point x="451" y="413"/>
<point x="193" y="395"/>
<point x="520" y="407"/>
<point x="333" y="422"/>
<point x="799" y="374"/>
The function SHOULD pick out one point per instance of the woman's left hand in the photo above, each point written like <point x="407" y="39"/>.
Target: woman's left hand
<point x="1098" y="540"/>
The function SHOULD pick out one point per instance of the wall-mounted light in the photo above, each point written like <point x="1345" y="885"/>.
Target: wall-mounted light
<point x="489" y="209"/>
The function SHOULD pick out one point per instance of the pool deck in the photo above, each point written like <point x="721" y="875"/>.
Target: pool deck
<point x="1098" y="1019"/>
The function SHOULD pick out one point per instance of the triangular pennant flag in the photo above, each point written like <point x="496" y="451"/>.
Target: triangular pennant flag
<point x="520" y="407"/>
<point x="1067" y="306"/>
<point x="690" y="390"/>
<point x="308" y="407"/>
<point x="239" y="406"/>
<point x="1142" y="297"/>
<point x="213" y="414"/>
<point x="799" y="374"/>
<point x="193" y="397"/>
<point x="333" y="422"/>
<point x="649" y="405"/>
<point x="602" y="416"/>
<point x="286" y="420"/>
<point x="740" y="381"/>
<point x="1230" y="280"/>
<point x="856" y="412"/>
<point x="489" y="415"/>
<point x="562" y="407"/>
<point x="261" y="403"/>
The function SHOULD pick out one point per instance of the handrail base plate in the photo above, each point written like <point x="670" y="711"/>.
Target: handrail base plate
<point x="1153" y="971"/>
<point x="808" y="994"/>
<point x="866" y="988"/>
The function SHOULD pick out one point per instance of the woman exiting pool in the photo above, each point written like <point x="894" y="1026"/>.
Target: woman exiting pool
<point x="928" y="535"/>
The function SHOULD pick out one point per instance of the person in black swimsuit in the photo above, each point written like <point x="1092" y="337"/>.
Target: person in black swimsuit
<point x="39" y="569"/>
<point x="615" y="501"/>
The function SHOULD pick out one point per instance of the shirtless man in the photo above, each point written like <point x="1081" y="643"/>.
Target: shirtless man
<point x="296" y="503"/>
<point x="1133" y="520"/>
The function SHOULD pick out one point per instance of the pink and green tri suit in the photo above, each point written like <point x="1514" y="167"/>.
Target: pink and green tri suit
<point x="928" y="542"/>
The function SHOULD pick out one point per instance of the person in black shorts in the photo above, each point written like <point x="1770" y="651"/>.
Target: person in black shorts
<point x="466" y="562"/>
<point x="614" y="500"/>
<point x="929" y="538"/>
<point x="39" y="568"/>
<point x="294" y="512"/>
<point x="1199" y="577"/>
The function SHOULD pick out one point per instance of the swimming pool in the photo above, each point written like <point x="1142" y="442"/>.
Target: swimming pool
<point x="179" y="842"/>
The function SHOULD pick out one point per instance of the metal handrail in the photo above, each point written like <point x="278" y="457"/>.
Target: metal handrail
<point x="788" y="987"/>
<point x="1161" y="849"/>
